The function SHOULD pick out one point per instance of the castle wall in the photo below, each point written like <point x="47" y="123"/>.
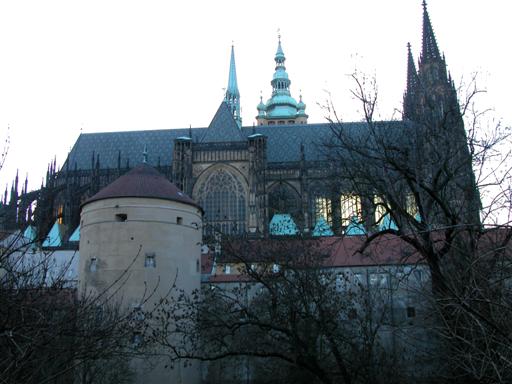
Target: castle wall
<point x="140" y="247"/>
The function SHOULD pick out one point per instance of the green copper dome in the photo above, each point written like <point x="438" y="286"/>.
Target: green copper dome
<point x="281" y="105"/>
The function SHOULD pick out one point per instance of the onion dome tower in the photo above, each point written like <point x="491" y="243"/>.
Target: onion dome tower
<point x="141" y="234"/>
<point x="281" y="108"/>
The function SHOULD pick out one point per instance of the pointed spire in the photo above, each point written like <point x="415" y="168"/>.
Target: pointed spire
<point x="280" y="81"/>
<point x="412" y="74"/>
<point x="410" y="95"/>
<point x="280" y="58"/>
<point x="232" y="97"/>
<point x="232" y="81"/>
<point x="430" y="50"/>
<point x="16" y="183"/>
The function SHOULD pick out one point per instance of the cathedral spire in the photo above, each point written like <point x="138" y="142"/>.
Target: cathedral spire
<point x="432" y="65"/>
<point x="430" y="50"/>
<point x="232" y="97"/>
<point x="411" y="91"/>
<point x="412" y="75"/>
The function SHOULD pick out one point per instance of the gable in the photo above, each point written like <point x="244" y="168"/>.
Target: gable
<point x="223" y="127"/>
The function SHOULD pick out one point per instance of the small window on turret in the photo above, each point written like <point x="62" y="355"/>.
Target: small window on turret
<point x="93" y="265"/>
<point x="179" y="220"/>
<point x="121" y="216"/>
<point x="150" y="260"/>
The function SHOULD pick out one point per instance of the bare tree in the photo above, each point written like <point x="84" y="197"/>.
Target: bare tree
<point x="426" y="177"/>
<point x="51" y="334"/>
<point x="285" y="316"/>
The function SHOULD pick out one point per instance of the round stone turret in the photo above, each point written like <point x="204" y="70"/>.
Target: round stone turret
<point x="140" y="235"/>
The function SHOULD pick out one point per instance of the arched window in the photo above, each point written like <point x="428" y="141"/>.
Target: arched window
<point x="223" y="199"/>
<point x="350" y="207"/>
<point x="320" y="205"/>
<point x="282" y="198"/>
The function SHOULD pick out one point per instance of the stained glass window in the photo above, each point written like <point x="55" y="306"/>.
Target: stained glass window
<point x="350" y="207"/>
<point x="410" y="205"/>
<point x="222" y="197"/>
<point x="380" y="209"/>
<point x="323" y="209"/>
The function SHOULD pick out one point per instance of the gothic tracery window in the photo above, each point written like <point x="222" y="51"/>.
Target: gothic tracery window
<point x="322" y="209"/>
<point x="222" y="197"/>
<point x="282" y="198"/>
<point x="350" y="207"/>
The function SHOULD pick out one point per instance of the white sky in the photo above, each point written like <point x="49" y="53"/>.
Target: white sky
<point x="106" y="65"/>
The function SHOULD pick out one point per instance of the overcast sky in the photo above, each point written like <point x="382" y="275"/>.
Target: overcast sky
<point x="89" y="66"/>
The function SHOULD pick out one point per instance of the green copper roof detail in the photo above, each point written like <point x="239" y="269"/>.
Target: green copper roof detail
<point x="232" y="97"/>
<point x="279" y="58"/>
<point x="282" y="224"/>
<point x="30" y="234"/>
<point x="54" y="237"/>
<point x="281" y="104"/>
<point x="75" y="236"/>
<point x="355" y="228"/>
<point x="387" y="223"/>
<point x="322" y="228"/>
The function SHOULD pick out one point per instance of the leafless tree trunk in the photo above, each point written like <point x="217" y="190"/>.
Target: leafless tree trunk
<point x="428" y="176"/>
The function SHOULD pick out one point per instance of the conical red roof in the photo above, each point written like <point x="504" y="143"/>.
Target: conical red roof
<point x="142" y="181"/>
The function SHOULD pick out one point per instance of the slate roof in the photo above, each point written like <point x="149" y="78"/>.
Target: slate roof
<point x="223" y="127"/>
<point x="283" y="141"/>
<point x="142" y="181"/>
